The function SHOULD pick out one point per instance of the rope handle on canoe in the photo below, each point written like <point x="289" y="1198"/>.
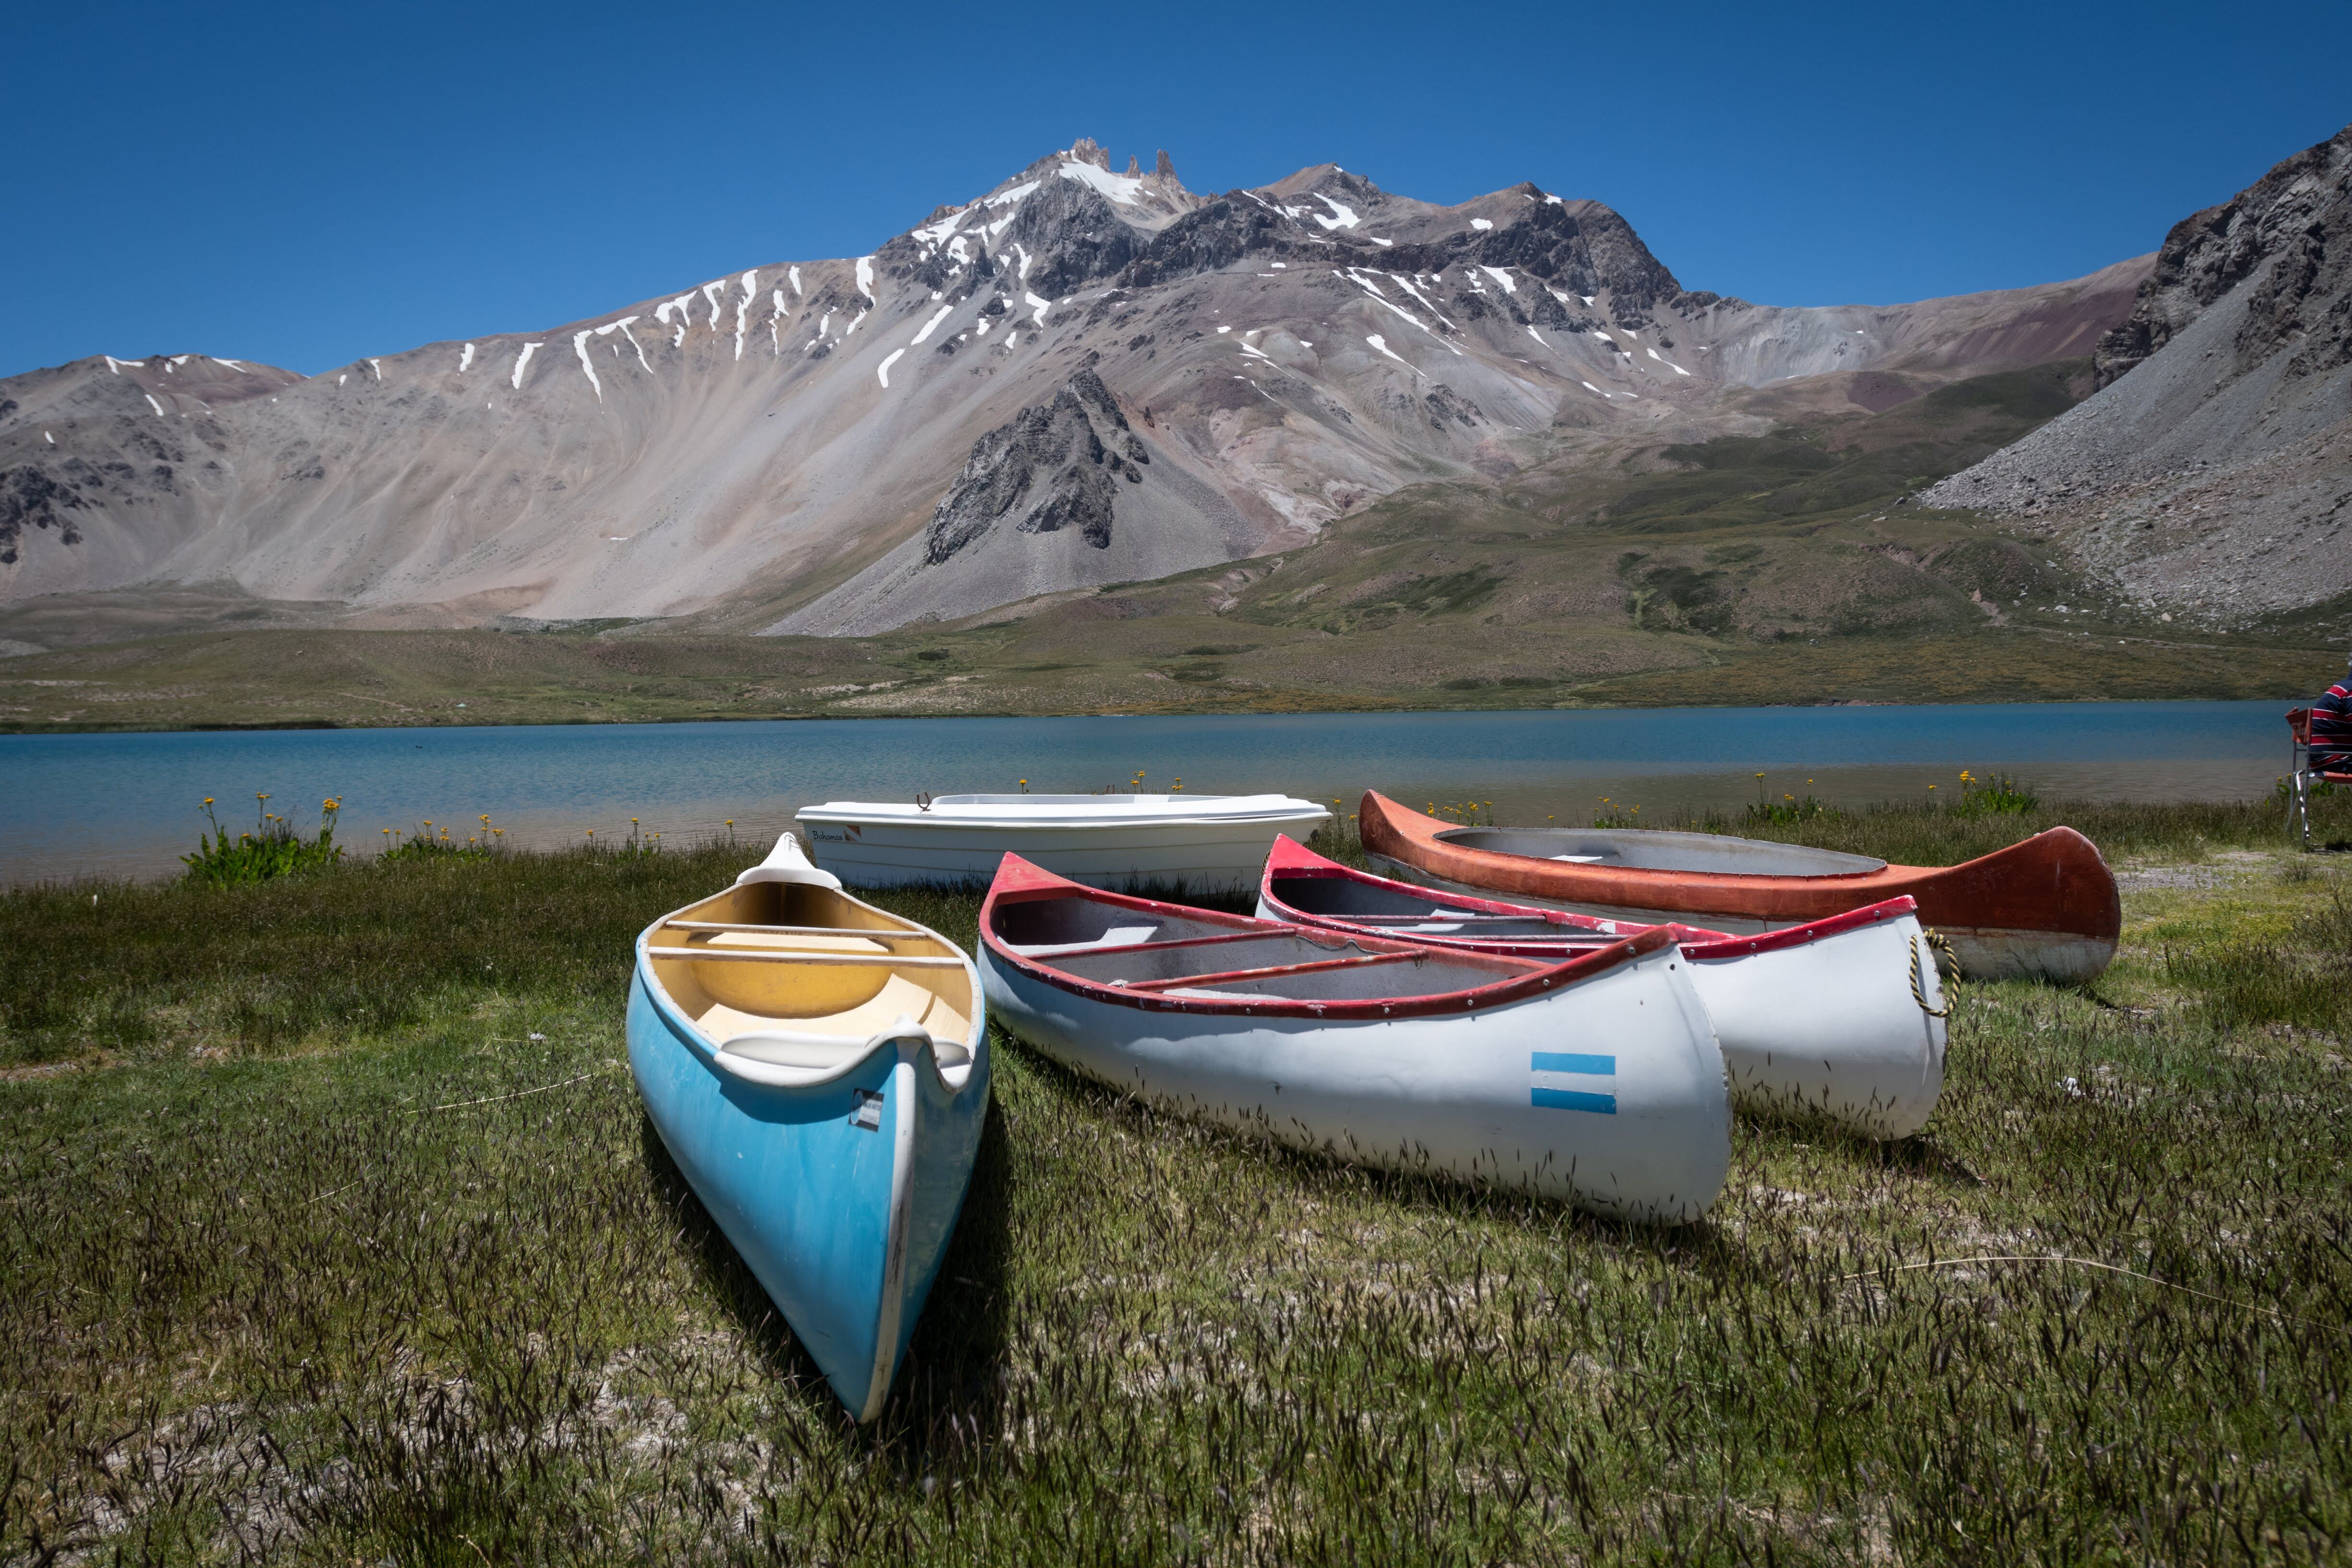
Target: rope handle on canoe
<point x="1919" y="988"/>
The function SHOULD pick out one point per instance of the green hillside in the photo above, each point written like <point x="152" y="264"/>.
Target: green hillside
<point x="1782" y="566"/>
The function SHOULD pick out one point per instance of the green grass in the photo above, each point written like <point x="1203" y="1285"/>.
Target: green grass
<point x="335" y="1232"/>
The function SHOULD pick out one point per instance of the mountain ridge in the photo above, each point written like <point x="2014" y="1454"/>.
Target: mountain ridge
<point x="772" y="448"/>
<point x="2212" y="471"/>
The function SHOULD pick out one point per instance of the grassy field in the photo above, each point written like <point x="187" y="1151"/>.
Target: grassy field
<point x="1105" y="655"/>
<point x="335" y="1235"/>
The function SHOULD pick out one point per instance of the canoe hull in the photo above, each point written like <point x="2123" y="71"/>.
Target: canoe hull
<point x="1831" y="1028"/>
<point x="1820" y="1018"/>
<point x="843" y="1224"/>
<point x="1460" y="1095"/>
<point x="2044" y="909"/>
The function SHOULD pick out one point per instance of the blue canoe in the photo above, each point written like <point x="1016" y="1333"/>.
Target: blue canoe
<point x="819" y="1071"/>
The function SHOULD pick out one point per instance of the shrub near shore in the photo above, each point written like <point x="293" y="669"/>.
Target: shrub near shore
<point x="335" y="1231"/>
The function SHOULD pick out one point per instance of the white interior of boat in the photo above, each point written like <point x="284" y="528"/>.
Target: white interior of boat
<point x="801" y="976"/>
<point x="1410" y="912"/>
<point x="1103" y="802"/>
<point x="1641" y="850"/>
<point x="1040" y="928"/>
<point x="1071" y="810"/>
<point x="1178" y="957"/>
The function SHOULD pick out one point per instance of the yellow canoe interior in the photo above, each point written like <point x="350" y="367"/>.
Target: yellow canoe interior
<point x="811" y="960"/>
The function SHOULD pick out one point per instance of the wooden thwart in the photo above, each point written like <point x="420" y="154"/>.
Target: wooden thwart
<point x="879" y="935"/>
<point x="751" y="955"/>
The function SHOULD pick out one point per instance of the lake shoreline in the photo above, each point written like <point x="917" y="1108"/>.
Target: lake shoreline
<point x="106" y="802"/>
<point x="356" y="679"/>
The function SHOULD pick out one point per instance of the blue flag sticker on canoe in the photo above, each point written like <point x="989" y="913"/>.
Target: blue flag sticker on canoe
<point x="1564" y="1081"/>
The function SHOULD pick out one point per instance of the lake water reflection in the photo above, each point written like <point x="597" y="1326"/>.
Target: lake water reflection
<point x="127" y="804"/>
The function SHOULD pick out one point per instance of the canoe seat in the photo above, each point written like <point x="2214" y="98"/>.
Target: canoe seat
<point x="761" y="941"/>
<point x="791" y="1050"/>
<point x="853" y="1027"/>
<point x="1117" y="936"/>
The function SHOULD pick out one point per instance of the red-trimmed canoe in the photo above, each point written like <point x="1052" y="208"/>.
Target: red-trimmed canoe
<point x="1594" y="1079"/>
<point x="2043" y="909"/>
<point x="1844" y="1016"/>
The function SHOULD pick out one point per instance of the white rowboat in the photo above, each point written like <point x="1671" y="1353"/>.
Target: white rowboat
<point x="1202" y="842"/>
<point x="1596" y="1079"/>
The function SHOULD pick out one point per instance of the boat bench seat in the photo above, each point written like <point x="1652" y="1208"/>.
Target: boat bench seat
<point x="819" y="1057"/>
<point x="900" y="998"/>
<point x="1117" y="936"/>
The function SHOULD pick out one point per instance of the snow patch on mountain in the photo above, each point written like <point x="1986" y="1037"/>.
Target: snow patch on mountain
<point x="1118" y="187"/>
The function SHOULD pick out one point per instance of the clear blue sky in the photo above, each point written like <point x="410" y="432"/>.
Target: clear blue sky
<point x="306" y="184"/>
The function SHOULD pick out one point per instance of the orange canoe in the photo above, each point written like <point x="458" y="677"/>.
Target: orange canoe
<point x="2043" y="909"/>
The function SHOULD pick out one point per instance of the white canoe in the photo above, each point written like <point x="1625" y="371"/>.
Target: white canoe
<point x="1203" y="842"/>
<point x="1844" y="1016"/>
<point x="1596" y="1079"/>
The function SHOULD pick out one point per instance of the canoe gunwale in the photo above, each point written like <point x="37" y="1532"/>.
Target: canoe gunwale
<point x="1454" y="836"/>
<point x="1018" y="881"/>
<point x="1293" y="859"/>
<point x="2005" y="888"/>
<point x="1798" y="935"/>
<point x="731" y="927"/>
<point x="796" y="955"/>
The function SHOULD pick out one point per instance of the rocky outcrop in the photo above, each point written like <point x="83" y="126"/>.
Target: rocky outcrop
<point x="1217" y="235"/>
<point x="32" y="499"/>
<point x="1075" y="236"/>
<point x="2295" y="226"/>
<point x="2211" y="473"/>
<point x="1057" y="464"/>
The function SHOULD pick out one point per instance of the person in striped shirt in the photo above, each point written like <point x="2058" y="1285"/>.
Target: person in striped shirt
<point x="2331" y="729"/>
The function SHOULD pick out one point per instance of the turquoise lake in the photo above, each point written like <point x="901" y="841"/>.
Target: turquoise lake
<point x="127" y="804"/>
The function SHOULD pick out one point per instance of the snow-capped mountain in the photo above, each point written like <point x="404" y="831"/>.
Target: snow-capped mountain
<point x="1078" y="377"/>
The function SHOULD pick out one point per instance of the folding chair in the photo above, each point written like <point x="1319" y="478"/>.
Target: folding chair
<point x="2301" y="776"/>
